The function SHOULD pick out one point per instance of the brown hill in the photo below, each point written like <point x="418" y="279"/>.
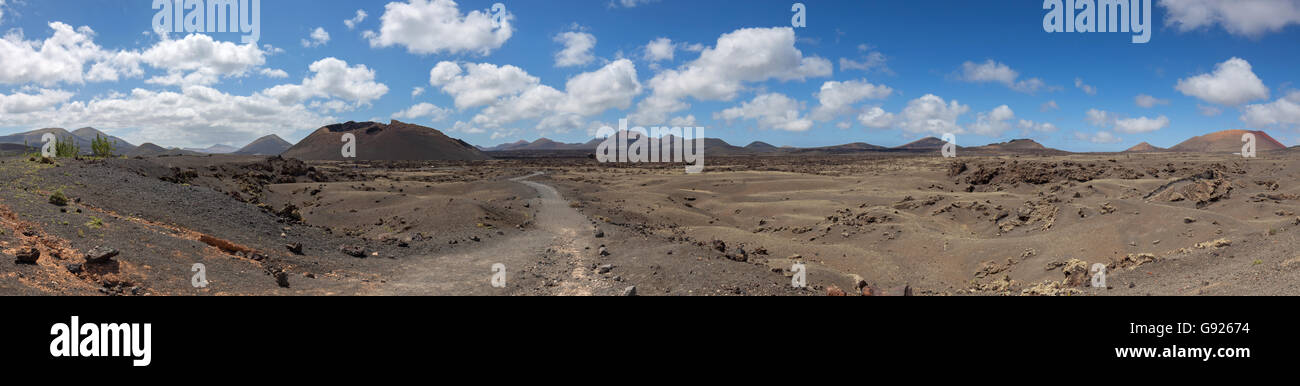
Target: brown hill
<point x="927" y="143"/>
<point x="268" y="145"/>
<point x="216" y="149"/>
<point x="1227" y="141"/>
<point x="547" y="144"/>
<point x="508" y="146"/>
<point x="120" y="146"/>
<point x="33" y="138"/>
<point x="1016" y="144"/>
<point x="395" y="141"/>
<point x="1144" y="148"/>
<point x="856" y="147"/>
<point x="149" y="149"/>
<point x="761" y="147"/>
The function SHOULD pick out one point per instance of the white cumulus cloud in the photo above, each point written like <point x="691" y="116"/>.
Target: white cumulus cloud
<point x="771" y="111"/>
<point x="1141" y="124"/>
<point x="1284" y="111"/>
<point x="876" y="118"/>
<point x="438" y="26"/>
<point x="837" y="98"/>
<point x="930" y="114"/>
<point x="423" y="110"/>
<point x="660" y="49"/>
<point x="317" y="38"/>
<point x="1239" y="17"/>
<point x="995" y="122"/>
<point x="1147" y="101"/>
<point x="333" y="78"/>
<point x="1231" y="84"/>
<point x="1102" y="137"/>
<point x="721" y="72"/>
<point x="356" y="20"/>
<point x="994" y="72"/>
<point x="577" y="49"/>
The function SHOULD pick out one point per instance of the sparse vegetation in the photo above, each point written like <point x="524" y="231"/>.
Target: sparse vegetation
<point x="30" y="154"/>
<point x="95" y="222"/>
<point x="58" y="198"/>
<point x="102" y="147"/>
<point x="66" y="148"/>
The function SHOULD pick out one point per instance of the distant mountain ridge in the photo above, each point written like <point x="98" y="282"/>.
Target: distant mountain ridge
<point x="268" y="145"/>
<point x="214" y="149"/>
<point x="396" y="141"/>
<point x="81" y="137"/>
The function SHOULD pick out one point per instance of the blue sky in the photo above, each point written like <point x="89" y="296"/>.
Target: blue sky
<point x="895" y="71"/>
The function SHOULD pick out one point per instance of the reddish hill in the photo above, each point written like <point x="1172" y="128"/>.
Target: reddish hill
<point x="396" y="141"/>
<point x="927" y="144"/>
<point x="1227" y="141"/>
<point x="1015" y="144"/>
<point x="1143" y="148"/>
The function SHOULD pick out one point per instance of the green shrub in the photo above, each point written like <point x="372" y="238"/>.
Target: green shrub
<point x="58" y="198"/>
<point x="66" y="148"/>
<point x="101" y="147"/>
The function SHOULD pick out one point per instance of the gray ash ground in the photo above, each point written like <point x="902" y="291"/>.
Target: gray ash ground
<point x="236" y="216"/>
<point x="878" y="224"/>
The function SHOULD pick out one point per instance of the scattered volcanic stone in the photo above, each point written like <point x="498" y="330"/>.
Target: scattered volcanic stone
<point x="835" y="291"/>
<point x="600" y="233"/>
<point x="73" y="268"/>
<point x="282" y="279"/>
<point x="290" y="212"/>
<point x="905" y="290"/>
<point x="604" y="269"/>
<point x="352" y="250"/>
<point x="28" y="256"/>
<point x="720" y="246"/>
<point x="100" y="254"/>
<point x="602" y="251"/>
<point x="629" y="291"/>
<point x="296" y="248"/>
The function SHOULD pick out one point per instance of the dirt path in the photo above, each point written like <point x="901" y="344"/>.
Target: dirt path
<point x="551" y="259"/>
